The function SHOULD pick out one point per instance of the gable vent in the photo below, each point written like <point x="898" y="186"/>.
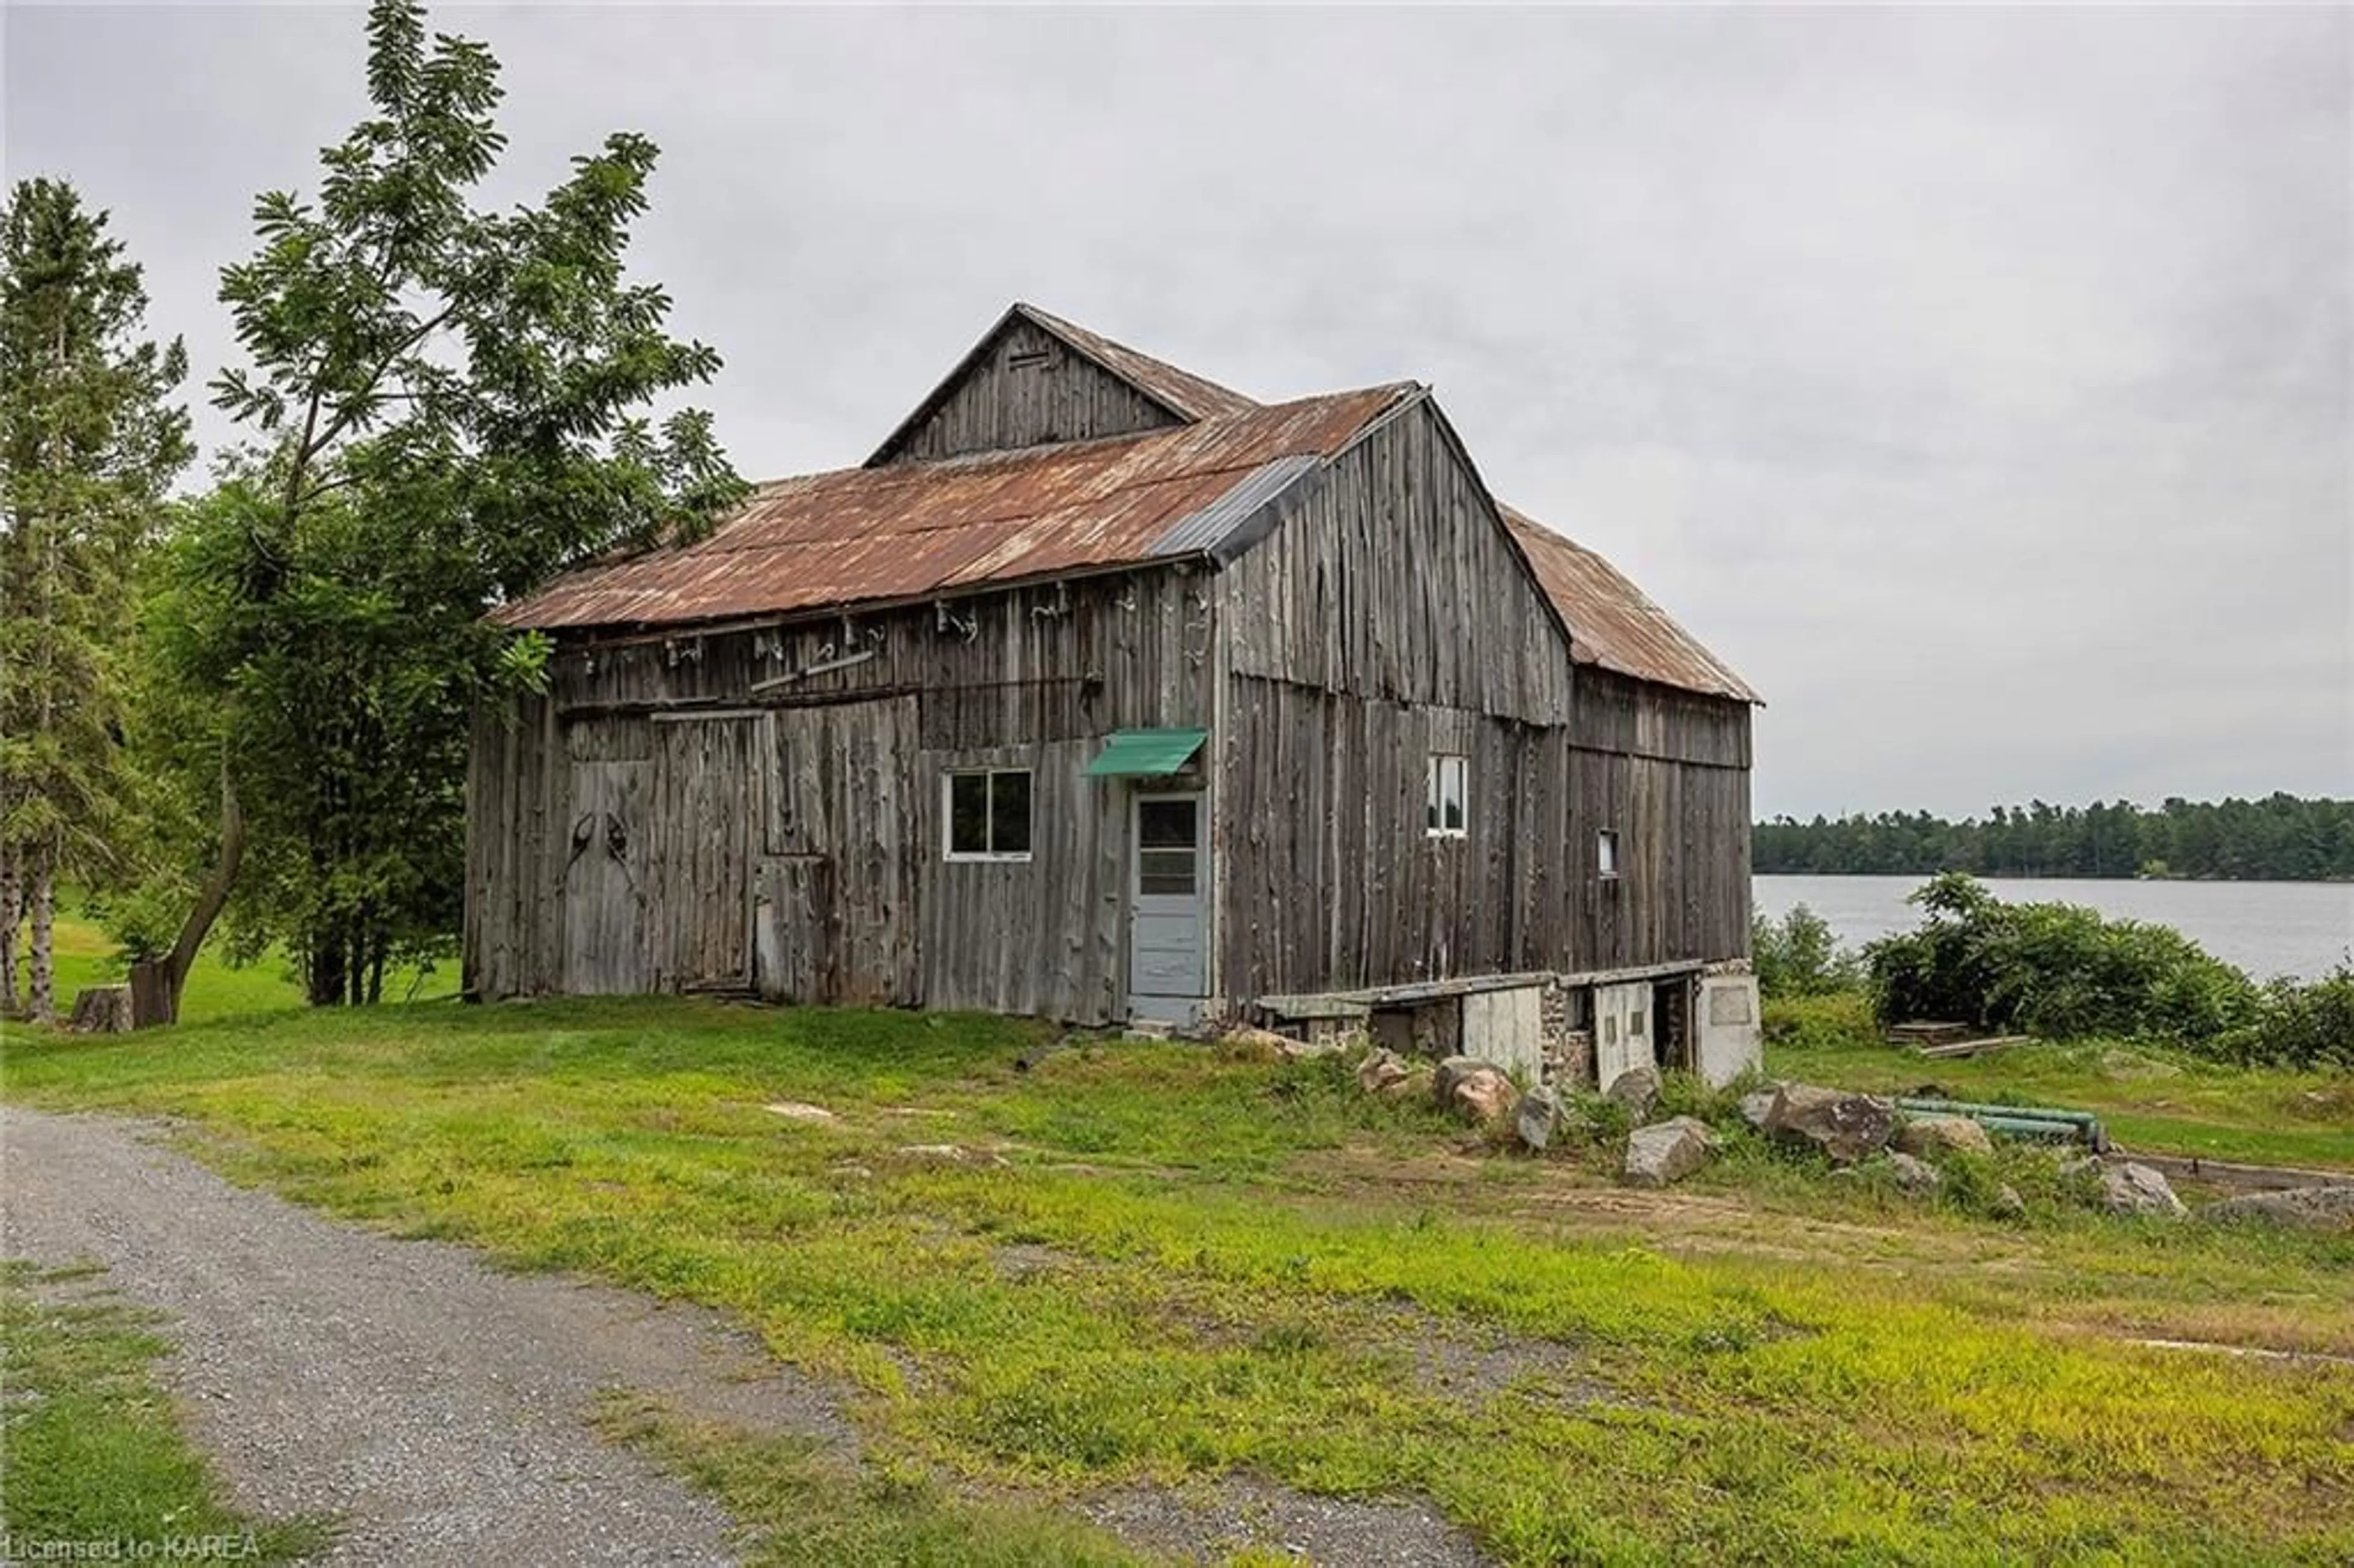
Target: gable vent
<point x="1029" y="358"/>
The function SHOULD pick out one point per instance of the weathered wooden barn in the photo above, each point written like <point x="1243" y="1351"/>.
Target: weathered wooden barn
<point x="1101" y="693"/>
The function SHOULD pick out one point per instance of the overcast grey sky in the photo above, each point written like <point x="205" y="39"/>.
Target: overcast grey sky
<point x="1977" y="383"/>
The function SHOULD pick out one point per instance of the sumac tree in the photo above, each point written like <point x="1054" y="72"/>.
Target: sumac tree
<point x="446" y="404"/>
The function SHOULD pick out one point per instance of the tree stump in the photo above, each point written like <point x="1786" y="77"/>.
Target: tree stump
<point x="102" y="1009"/>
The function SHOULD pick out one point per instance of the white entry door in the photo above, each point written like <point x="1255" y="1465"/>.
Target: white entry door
<point x="1169" y="884"/>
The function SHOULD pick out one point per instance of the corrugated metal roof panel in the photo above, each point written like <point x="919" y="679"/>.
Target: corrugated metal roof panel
<point x="907" y="530"/>
<point x="1615" y="624"/>
<point x="1203" y="532"/>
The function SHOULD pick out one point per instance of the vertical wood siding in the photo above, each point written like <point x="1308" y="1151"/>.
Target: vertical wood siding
<point x="1043" y="937"/>
<point x="608" y="880"/>
<point x="708" y="779"/>
<point x="1010" y="399"/>
<point x="1333" y="881"/>
<point x="1389" y="578"/>
<point x="1386" y="620"/>
<point x="793" y="833"/>
<point x="843" y="820"/>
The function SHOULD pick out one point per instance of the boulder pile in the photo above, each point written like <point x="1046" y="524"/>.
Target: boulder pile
<point x="1863" y="1137"/>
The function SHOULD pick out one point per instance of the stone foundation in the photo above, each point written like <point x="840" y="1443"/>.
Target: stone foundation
<point x="1568" y="1050"/>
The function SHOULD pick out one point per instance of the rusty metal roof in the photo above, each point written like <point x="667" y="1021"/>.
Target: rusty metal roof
<point x="913" y="530"/>
<point x="1615" y="624"/>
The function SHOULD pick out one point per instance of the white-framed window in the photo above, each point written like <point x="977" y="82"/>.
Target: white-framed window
<point x="1605" y="854"/>
<point x="1450" y="776"/>
<point x="985" y="814"/>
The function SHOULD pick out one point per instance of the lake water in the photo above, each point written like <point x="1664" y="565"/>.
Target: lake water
<point x="2265" y="927"/>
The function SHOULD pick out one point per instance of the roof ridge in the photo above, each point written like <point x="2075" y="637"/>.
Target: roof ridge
<point x="1183" y="392"/>
<point x="912" y="467"/>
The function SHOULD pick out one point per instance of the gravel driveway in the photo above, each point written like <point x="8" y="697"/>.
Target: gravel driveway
<point x="434" y="1403"/>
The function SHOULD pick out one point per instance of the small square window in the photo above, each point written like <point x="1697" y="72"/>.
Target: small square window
<point x="1449" y="776"/>
<point x="1605" y="854"/>
<point x="988" y="815"/>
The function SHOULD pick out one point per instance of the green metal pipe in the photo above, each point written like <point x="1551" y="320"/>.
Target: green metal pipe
<point x="2020" y="1126"/>
<point x="2017" y="1121"/>
<point x="1973" y="1109"/>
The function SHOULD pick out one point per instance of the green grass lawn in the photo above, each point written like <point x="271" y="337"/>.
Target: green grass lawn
<point x="2158" y="1101"/>
<point x="1162" y="1263"/>
<point x="93" y="1458"/>
<point x="86" y="955"/>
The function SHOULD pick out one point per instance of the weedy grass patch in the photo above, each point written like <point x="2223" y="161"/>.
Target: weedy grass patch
<point x="806" y="1510"/>
<point x="1048" y="1268"/>
<point x="92" y="1461"/>
<point x="2150" y="1099"/>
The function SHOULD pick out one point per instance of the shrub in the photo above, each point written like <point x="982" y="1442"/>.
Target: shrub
<point x="1797" y="956"/>
<point x="2054" y="969"/>
<point x="2301" y="1025"/>
<point x="1688" y="1094"/>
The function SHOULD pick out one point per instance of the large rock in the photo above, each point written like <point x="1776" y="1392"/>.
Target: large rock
<point x="1636" y="1089"/>
<point x="1536" y="1117"/>
<point x="1666" y="1150"/>
<point x="1927" y="1137"/>
<point x="1758" y="1104"/>
<point x="1451" y="1068"/>
<point x="2313" y="1208"/>
<point x="1846" y="1126"/>
<point x="2130" y="1189"/>
<point x="1915" y="1177"/>
<point x="1486" y="1096"/>
<point x="1473" y="1089"/>
<point x="1381" y="1069"/>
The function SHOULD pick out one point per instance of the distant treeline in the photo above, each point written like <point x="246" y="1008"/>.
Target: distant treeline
<point x="2280" y="837"/>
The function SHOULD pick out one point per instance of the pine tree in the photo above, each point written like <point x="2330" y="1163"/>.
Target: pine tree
<point x="89" y="443"/>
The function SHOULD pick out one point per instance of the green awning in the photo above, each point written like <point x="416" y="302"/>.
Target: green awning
<point x="1146" y="752"/>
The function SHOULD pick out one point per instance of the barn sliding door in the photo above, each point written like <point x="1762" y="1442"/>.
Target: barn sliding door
<point x="707" y="807"/>
<point x="605" y="880"/>
<point x="835" y="890"/>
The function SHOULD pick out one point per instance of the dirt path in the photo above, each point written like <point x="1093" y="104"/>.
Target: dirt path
<point x="433" y="1402"/>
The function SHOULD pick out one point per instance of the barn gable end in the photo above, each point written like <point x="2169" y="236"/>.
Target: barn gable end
<point x="1391" y="576"/>
<point x="1035" y="380"/>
